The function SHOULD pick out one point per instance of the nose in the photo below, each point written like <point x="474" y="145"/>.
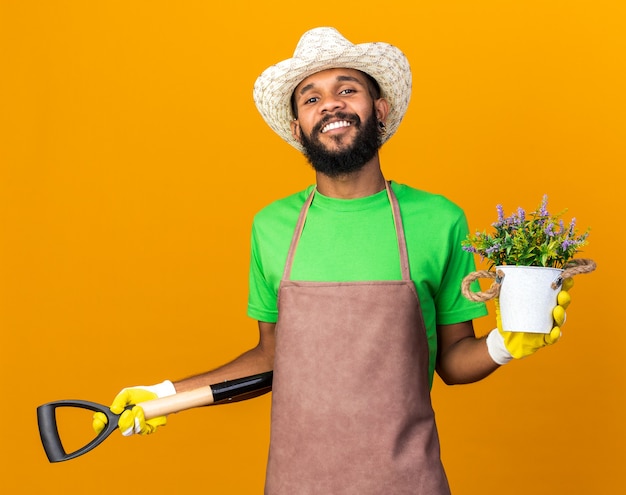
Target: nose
<point x="331" y="103"/>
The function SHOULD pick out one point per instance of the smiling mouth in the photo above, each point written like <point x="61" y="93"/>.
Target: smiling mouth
<point x="335" y="125"/>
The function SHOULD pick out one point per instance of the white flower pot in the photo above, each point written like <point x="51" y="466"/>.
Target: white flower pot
<point x="527" y="298"/>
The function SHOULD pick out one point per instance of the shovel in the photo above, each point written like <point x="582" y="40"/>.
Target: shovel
<point x="203" y="396"/>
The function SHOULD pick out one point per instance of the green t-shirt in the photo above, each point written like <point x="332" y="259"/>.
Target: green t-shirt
<point x="355" y="240"/>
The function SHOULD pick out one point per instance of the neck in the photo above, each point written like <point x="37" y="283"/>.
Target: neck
<point x="364" y="182"/>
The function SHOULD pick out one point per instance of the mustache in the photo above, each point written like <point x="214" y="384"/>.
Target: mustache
<point x="336" y="116"/>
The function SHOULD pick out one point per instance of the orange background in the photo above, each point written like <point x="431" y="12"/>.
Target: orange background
<point x="133" y="159"/>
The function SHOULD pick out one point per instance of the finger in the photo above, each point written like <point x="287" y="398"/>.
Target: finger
<point x="126" y="423"/>
<point x="99" y="422"/>
<point x="154" y="423"/>
<point x="558" y="313"/>
<point x="553" y="336"/>
<point x="140" y="422"/>
<point x="563" y="299"/>
<point x="568" y="283"/>
<point x="121" y="401"/>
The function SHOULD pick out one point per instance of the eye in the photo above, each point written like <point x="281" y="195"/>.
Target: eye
<point x="347" y="91"/>
<point x="313" y="99"/>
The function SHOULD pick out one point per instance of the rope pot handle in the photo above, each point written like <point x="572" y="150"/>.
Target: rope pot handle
<point x="572" y="268"/>
<point x="482" y="296"/>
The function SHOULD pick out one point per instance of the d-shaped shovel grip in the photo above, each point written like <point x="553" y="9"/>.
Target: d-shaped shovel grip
<point x="49" y="432"/>
<point x="204" y="396"/>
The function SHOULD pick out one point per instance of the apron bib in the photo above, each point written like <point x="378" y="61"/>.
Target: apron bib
<point x="351" y="409"/>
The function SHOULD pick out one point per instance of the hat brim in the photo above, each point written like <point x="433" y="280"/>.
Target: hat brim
<point x="382" y="61"/>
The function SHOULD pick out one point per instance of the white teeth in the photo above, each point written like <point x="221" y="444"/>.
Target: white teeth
<point x="335" y="125"/>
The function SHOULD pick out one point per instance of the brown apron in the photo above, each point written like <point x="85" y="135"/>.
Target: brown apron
<point x="351" y="409"/>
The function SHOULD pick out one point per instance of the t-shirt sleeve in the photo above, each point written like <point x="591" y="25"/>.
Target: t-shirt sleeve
<point x="452" y="306"/>
<point x="262" y="297"/>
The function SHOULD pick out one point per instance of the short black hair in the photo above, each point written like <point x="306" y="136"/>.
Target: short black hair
<point x="372" y="85"/>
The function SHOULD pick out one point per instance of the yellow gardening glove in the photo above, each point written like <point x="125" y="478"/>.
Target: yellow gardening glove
<point x="132" y="421"/>
<point x="504" y="346"/>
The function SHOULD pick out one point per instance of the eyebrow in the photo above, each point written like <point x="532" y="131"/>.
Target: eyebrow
<point x="310" y="86"/>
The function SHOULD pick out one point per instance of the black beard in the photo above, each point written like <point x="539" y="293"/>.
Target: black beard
<point x="346" y="160"/>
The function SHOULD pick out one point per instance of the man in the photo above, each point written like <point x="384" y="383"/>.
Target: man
<point x="355" y="283"/>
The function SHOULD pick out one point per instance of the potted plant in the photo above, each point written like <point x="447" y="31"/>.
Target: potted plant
<point x="534" y="253"/>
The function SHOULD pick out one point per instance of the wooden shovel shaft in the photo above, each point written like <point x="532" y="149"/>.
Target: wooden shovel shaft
<point x="181" y="401"/>
<point x="205" y="396"/>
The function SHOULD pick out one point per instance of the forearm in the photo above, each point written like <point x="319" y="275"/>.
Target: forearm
<point x="141" y="420"/>
<point x="251" y="362"/>
<point x="256" y="360"/>
<point x="466" y="361"/>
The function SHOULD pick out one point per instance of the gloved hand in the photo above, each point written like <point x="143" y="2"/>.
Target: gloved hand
<point x="133" y="420"/>
<point x="504" y="346"/>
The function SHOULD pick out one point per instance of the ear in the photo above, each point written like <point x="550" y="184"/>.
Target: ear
<point x="295" y="130"/>
<point x="382" y="109"/>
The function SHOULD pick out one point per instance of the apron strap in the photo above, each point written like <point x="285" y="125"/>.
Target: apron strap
<point x="296" y="235"/>
<point x="397" y="221"/>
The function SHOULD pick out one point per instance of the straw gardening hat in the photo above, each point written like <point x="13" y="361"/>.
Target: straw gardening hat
<point x="325" y="48"/>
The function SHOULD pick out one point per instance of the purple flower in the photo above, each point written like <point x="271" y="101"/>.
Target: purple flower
<point x="543" y="209"/>
<point x="501" y="220"/>
<point x="572" y="226"/>
<point x="500" y="213"/>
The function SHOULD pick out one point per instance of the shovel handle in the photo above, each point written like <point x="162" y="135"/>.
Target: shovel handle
<point x="178" y="402"/>
<point x="205" y="396"/>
